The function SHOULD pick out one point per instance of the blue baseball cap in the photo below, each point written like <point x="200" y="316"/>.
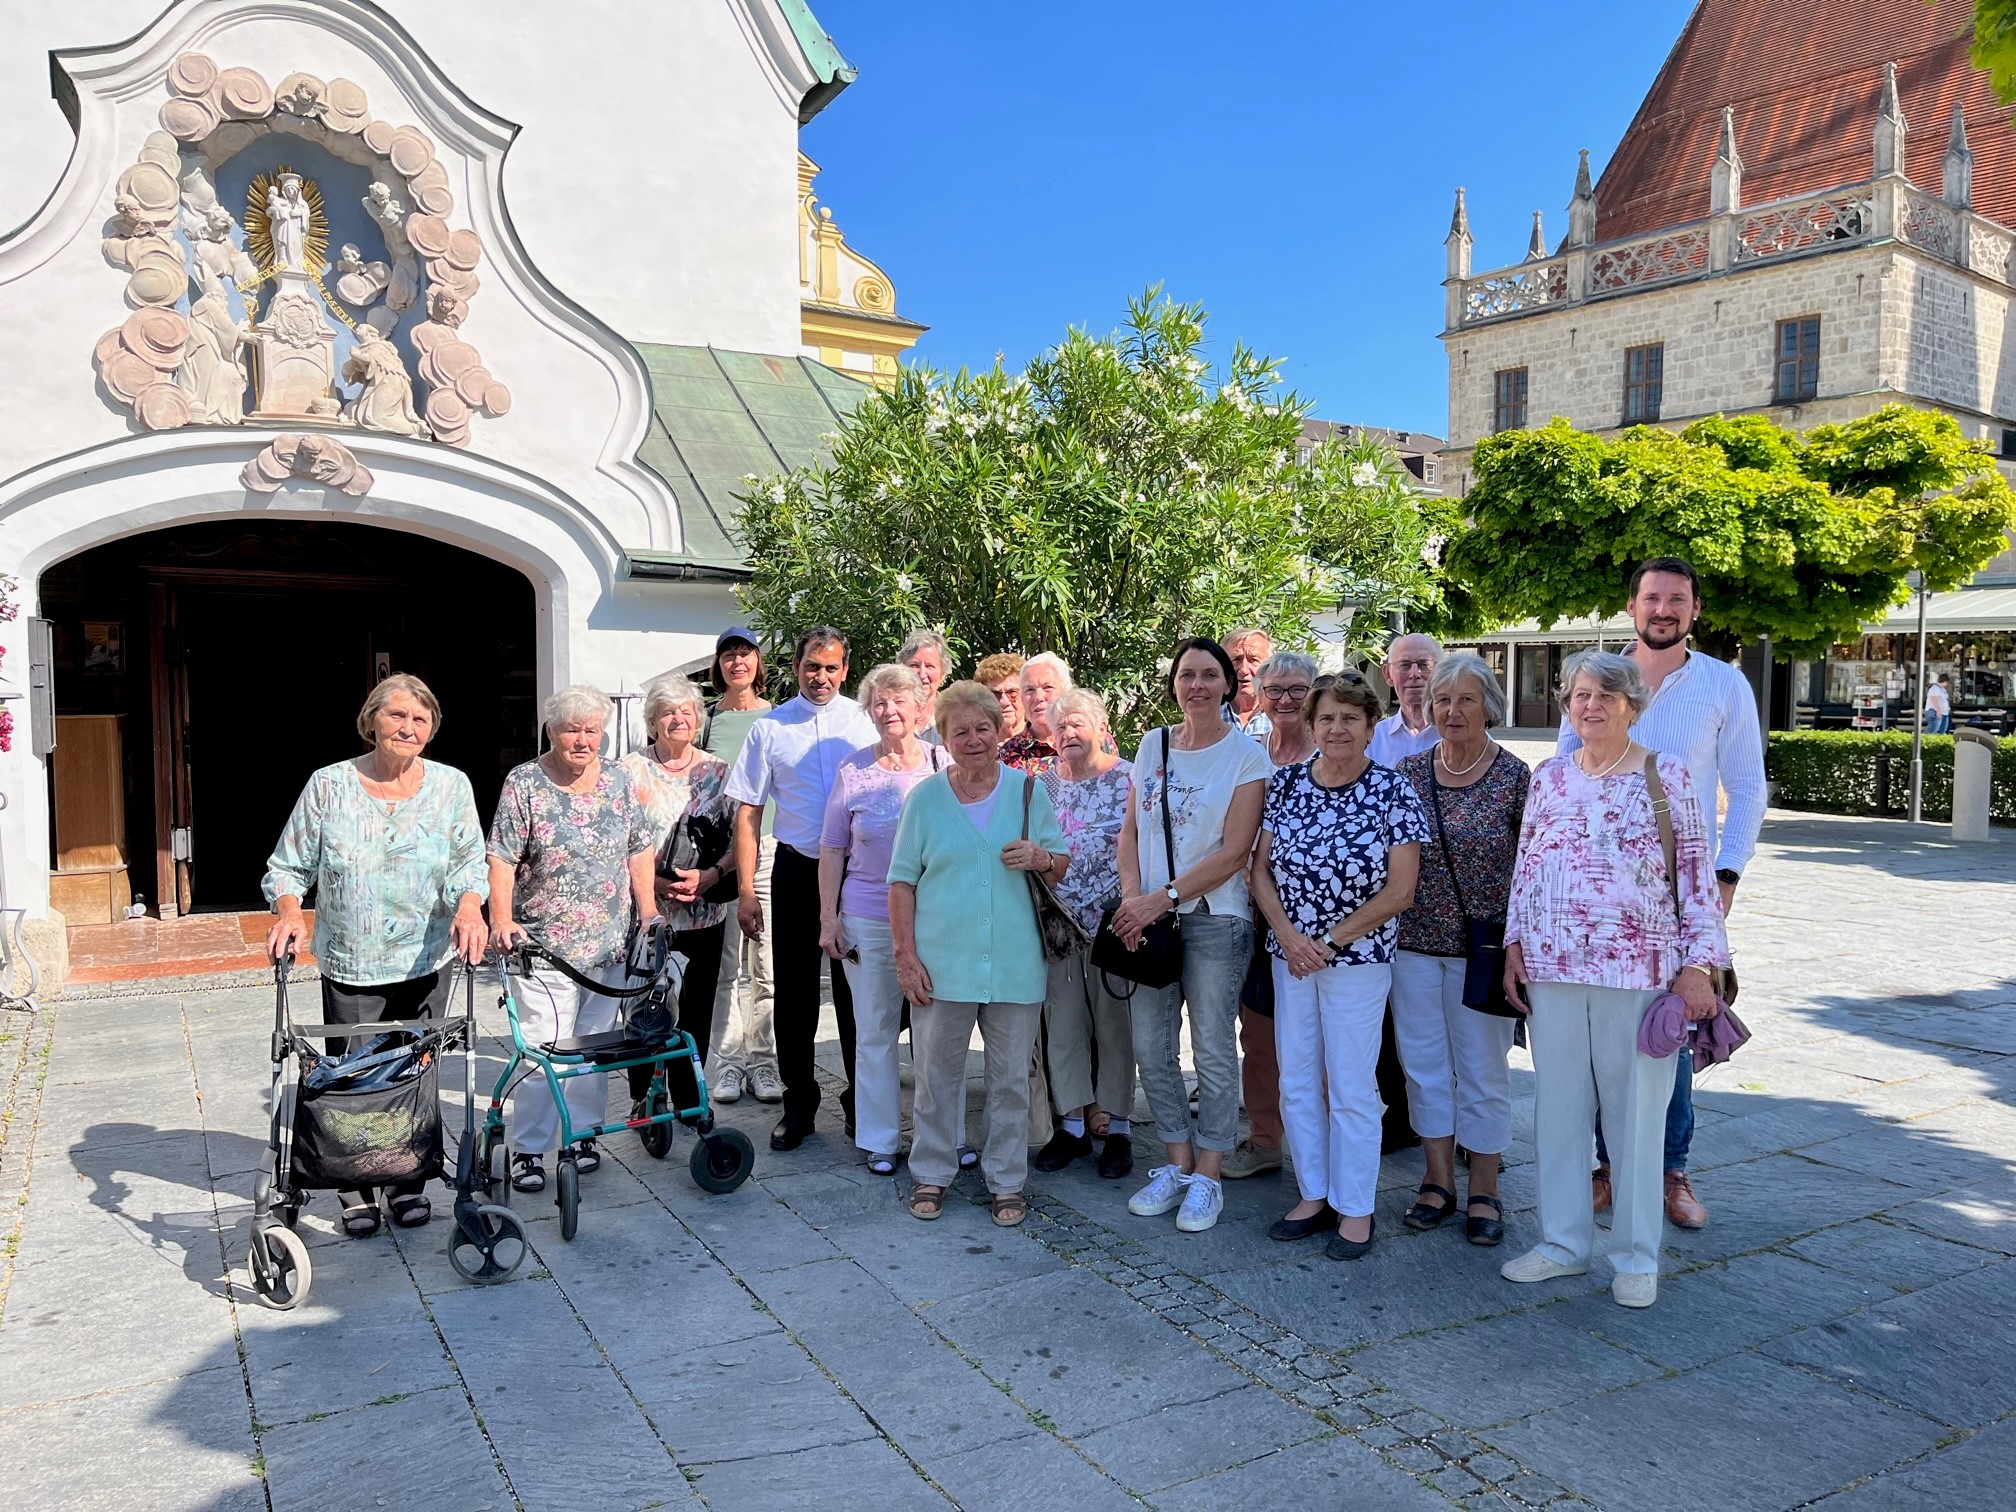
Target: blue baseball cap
<point x="736" y="633"/>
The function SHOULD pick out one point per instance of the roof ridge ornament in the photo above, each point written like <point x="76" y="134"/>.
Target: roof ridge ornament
<point x="1956" y="169"/>
<point x="1725" y="185"/>
<point x="1582" y="208"/>
<point x="1457" y="243"/>
<point x="1890" y="127"/>
<point x="1536" y="245"/>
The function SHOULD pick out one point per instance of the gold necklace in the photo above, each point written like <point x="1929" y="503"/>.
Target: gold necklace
<point x="1442" y="755"/>
<point x="1599" y="776"/>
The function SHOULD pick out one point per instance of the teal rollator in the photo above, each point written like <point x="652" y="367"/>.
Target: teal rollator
<point x="645" y="1035"/>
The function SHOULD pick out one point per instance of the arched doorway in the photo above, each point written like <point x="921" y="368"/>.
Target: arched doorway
<point x="201" y="672"/>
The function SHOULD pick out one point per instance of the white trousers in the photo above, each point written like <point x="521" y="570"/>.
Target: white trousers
<point x="1458" y="1081"/>
<point x="1326" y="1027"/>
<point x="551" y="1007"/>
<point x="878" y="1019"/>
<point x="1586" y="1061"/>
<point x="745" y="1034"/>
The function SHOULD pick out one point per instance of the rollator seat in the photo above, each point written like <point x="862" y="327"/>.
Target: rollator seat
<point x="606" y="1048"/>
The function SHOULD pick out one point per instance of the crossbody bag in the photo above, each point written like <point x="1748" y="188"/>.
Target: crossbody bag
<point x="1158" y="960"/>
<point x="1483" y="939"/>
<point x="1723" y="977"/>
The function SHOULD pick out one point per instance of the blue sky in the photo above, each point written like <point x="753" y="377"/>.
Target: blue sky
<point x="1020" y="168"/>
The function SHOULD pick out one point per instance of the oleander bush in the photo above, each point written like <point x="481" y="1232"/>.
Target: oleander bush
<point x="1836" y="772"/>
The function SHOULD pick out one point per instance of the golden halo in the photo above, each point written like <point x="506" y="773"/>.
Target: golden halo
<point x="259" y="237"/>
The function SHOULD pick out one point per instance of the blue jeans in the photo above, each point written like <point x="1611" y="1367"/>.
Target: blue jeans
<point x="1217" y="949"/>
<point x="1679" y="1117"/>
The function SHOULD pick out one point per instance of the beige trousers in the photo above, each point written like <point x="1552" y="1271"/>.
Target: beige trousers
<point x="940" y="1036"/>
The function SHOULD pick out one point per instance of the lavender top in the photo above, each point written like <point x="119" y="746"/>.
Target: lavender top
<point x="861" y="815"/>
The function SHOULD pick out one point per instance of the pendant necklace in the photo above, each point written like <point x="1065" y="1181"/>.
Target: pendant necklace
<point x="1442" y="755"/>
<point x="1598" y="776"/>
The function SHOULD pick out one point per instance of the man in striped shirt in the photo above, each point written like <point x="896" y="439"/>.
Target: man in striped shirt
<point x="1702" y="711"/>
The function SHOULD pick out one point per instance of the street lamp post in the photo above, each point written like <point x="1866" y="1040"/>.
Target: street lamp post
<point x="1917" y="581"/>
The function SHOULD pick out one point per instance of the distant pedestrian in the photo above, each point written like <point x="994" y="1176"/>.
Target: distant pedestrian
<point x="1592" y="937"/>
<point x="1939" y="707"/>
<point x="1702" y="711"/>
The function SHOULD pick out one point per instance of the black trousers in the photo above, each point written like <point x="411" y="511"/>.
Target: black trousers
<point x="702" y="949"/>
<point x="795" y="963"/>
<point x="423" y="997"/>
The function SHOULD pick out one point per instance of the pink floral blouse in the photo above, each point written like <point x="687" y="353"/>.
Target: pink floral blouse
<point x="1591" y="903"/>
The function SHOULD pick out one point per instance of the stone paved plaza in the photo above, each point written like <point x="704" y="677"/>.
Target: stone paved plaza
<point x="1840" y="1334"/>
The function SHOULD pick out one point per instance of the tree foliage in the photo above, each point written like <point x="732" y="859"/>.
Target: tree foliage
<point x="1101" y="504"/>
<point x="1800" y="539"/>
<point x="1995" y="44"/>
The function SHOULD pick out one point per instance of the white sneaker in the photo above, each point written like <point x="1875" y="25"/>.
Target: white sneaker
<point x="727" y="1087"/>
<point x="1164" y="1193"/>
<point x="1534" y="1266"/>
<point x="766" y="1084"/>
<point x="1201" y="1205"/>
<point x="1634" y="1289"/>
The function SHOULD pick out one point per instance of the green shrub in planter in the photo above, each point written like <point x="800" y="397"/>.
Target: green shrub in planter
<point x="1835" y="772"/>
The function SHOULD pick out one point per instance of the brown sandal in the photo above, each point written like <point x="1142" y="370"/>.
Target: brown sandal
<point x="926" y="1202"/>
<point x="1010" y="1208"/>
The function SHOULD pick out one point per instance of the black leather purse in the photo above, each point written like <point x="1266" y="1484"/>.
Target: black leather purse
<point x="709" y="837"/>
<point x="1158" y="960"/>
<point x="1483" y="939"/>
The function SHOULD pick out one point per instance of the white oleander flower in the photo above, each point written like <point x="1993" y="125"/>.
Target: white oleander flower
<point x="1431" y="549"/>
<point x="903" y="582"/>
<point x="1365" y="474"/>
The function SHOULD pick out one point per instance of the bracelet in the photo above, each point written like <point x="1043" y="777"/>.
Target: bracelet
<point x="1706" y="971"/>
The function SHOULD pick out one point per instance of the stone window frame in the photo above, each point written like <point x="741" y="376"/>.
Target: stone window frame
<point x="1509" y="388"/>
<point x="1803" y="363"/>
<point x="1644" y="390"/>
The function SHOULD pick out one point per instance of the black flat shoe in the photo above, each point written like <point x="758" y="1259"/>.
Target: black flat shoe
<point x="1289" y="1229"/>
<point x="1484" y="1231"/>
<point x="1340" y="1248"/>
<point x="1422" y="1216"/>
<point x="790" y="1132"/>
<point x="1064" y="1147"/>
<point x="1116" y="1157"/>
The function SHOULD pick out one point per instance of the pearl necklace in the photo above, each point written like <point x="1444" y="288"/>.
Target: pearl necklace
<point x="1599" y="776"/>
<point x="1442" y="755"/>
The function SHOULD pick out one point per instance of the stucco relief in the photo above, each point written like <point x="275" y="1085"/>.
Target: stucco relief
<point x="316" y="458"/>
<point x="182" y="253"/>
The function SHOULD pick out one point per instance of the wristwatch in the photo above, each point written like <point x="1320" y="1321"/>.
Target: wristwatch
<point x="1173" y="896"/>
<point x="1726" y="874"/>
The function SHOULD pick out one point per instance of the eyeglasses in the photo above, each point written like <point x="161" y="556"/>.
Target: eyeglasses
<point x="1291" y="695"/>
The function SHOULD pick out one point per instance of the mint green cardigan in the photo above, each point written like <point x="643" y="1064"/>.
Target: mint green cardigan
<point x="976" y="924"/>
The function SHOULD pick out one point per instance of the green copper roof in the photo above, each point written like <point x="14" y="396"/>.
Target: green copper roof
<point x="834" y="71"/>
<point x="716" y="418"/>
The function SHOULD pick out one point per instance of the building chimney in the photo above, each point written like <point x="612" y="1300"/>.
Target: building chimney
<point x="1582" y="208"/>
<point x="1956" y="171"/>
<point x="1725" y="184"/>
<point x="1889" y="153"/>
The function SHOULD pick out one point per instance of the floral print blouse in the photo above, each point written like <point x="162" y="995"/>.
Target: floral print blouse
<point x="572" y="854"/>
<point x="1481" y="821"/>
<point x="1091" y="813"/>
<point x="1026" y="753"/>
<point x="385" y="884"/>
<point x="670" y="796"/>
<point x="1330" y="849"/>
<point x="1591" y="902"/>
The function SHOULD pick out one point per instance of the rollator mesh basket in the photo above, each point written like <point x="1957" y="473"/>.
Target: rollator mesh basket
<point x="377" y="1136"/>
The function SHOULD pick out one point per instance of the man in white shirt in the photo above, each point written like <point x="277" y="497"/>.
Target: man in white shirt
<point x="1410" y="662"/>
<point x="1249" y="647"/>
<point x="791" y="758"/>
<point x="1939" y="707"/>
<point x="1702" y="711"/>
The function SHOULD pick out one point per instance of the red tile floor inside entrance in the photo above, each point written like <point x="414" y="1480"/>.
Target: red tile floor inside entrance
<point x="138" y="949"/>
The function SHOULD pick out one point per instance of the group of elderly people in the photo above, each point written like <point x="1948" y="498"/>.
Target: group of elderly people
<point x="923" y="832"/>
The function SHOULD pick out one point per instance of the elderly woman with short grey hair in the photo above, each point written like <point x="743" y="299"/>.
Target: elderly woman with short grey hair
<point x="571" y="855"/>
<point x="1597" y="927"/>
<point x="928" y="655"/>
<point x="1459" y="1086"/>
<point x="690" y="818"/>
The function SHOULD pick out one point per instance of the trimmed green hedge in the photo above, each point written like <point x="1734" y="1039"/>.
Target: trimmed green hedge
<point x="1835" y="771"/>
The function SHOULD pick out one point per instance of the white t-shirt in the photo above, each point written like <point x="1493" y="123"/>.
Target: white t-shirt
<point x="1202" y="784"/>
<point x="981" y="810"/>
<point x="1937" y="701"/>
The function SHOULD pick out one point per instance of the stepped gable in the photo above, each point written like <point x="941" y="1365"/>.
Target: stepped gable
<point x="1805" y="81"/>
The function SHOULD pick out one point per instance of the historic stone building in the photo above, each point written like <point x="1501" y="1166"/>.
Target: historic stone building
<point x="849" y="303"/>
<point x="1809" y="217"/>
<point x="294" y="395"/>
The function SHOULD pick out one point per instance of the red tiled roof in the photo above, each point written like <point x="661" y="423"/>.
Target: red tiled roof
<point x="1805" y="81"/>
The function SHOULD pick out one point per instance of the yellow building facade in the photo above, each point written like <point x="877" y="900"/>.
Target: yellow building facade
<point x="848" y="303"/>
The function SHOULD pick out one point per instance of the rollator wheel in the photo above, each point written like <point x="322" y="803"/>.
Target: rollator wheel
<point x="722" y="1161"/>
<point x="567" y="1185"/>
<point x="490" y="1247"/>
<point x="658" y="1137"/>
<point x="492" y="1169"/>
<point x="281" y="1272"/>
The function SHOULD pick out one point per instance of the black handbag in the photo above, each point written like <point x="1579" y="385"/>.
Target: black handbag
<point x="1158" y="960"/>
<point x="709" y="836"/>
<point x="1483" y="939"/>
<point x="1062" y="934"/>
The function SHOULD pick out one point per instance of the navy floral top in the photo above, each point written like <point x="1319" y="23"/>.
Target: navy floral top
<point x="1330" y="848"/>
<point x="572" y="853"/>
<point x="1482" y="823"/>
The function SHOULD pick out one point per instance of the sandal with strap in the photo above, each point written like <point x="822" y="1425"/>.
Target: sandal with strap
<point x="528" y="1172"/>
<point x="927" y="1202"/>
<point x="360" y="1219"/>
<point x="968" y="1157"/>
<point x="1486" y="1231"/>
<point x="411" y="1210"/>
<point x="1010" y="1208"/>
<point x="587" y="1159"/>
<point x="880" y="1164"/>
<point x="1422" y="1216"/>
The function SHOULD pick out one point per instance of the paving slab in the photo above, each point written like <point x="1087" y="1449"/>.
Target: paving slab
<point x="1033" y="1473"/>
<point x="422" y="1450"/>
<point x="865" y="1473"/>
<point x="761" y="1396"/>
<point x="1781" y="1437"/>
<point x="1970" y="1476"/>
<point x="1984" y="1216"/>
<point x="1193" y="1439"/>
<point x="1891" y="1254"/>
<point x="1325" y="1472"/>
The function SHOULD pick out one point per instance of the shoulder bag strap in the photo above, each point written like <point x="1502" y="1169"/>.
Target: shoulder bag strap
<point x="1168" y="826"/>
<point x="1028" y="792"/>
<point x="1662" y="813"/>
<point x="1442" y="843"/>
